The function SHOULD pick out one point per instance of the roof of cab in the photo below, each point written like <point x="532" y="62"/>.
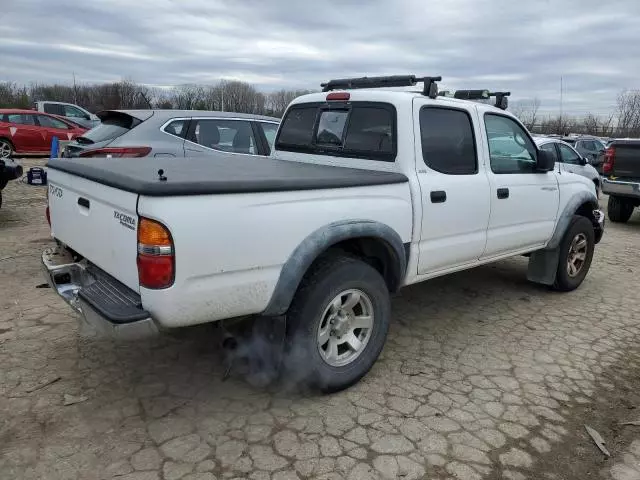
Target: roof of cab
<point x="394" y="96"/>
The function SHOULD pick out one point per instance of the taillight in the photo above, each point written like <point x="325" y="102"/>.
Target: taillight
<point x="338" y="96"/>
<point x="609" y="157"/>
<point x="156" y="260"/>
<point x="117" y="152"/>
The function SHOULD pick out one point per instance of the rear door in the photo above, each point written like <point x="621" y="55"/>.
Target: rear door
<point x="26" y="135"/>
<point x="98" y="222"/>
<point x="54" y="128"/>
<point x="210" y="135"/>
<point x="454" y="187"/>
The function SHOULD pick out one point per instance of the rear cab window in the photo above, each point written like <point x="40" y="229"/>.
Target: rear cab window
<point x="364" y="130"/>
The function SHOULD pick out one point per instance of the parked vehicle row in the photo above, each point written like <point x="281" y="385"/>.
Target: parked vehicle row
<point x="369" y="190"/>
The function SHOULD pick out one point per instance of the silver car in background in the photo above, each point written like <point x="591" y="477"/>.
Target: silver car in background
<point x="569" y="160"/>
<point x="175" y="133"/>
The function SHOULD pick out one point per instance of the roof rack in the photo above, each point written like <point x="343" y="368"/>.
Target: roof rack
<point x="430" y="87"/>
<point x="501" y="97"/>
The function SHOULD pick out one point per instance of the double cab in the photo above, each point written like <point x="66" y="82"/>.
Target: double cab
<point x="368" y="190"/>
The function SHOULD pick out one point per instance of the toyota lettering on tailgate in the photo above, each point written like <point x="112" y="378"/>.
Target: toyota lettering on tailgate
<point x="125" y="220"/>
<point x="55" y="191"/>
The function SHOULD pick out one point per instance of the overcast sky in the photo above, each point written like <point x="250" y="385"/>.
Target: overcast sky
<point x="523" y="46"/>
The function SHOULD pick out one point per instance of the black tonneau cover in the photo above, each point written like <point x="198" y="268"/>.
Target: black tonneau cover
<point x="226" y="173"/>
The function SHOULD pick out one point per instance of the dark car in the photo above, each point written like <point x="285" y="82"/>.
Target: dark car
<point x="175" y="133"/>
<point x="591" y="148"/>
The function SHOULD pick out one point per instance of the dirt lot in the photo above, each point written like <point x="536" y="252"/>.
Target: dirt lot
<point x="484" y="376"/>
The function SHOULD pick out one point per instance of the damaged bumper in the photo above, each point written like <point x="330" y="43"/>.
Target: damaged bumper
<point x="106" y="306"/>
<point x="598" y="226"/>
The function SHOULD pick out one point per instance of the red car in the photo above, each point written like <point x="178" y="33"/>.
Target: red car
<point x="25" y="132"/>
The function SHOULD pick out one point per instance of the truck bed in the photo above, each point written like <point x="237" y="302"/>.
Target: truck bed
<point x="227" y="173"/>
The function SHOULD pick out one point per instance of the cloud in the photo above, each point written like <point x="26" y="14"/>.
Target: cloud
<point x="495" y="44"/>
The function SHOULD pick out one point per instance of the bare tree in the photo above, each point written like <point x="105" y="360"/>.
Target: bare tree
<point x="629" y="113"/>
<point x="189" y="97"/>
<point x="277" y="102"/>
<point x="527" y="111"/>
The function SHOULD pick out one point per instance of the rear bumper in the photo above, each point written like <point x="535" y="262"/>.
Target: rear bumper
<point x="621" y="188"/>
<point x="106" y="306"/>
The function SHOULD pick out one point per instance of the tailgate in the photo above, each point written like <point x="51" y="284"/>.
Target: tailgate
<point x="627" y="160"/>
<point x="98" y="222"/>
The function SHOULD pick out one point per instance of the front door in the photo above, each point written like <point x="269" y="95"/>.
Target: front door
<point x="453" y="185"/>
<point x="571" y="160"/>
<point x="524" y="202"/>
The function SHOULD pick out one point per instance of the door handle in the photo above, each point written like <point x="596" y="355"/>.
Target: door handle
<point x="83" y="202"/>
<point x="503" y="193"/>
<point x="438" y="196"/>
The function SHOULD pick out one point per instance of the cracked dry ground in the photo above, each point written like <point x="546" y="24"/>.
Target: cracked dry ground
<point x="483" y="376"/>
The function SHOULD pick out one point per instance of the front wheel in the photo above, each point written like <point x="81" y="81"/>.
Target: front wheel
<point x="337" y="323"/>
<point x="576" y="253"/>
<point x="6" y="149"/>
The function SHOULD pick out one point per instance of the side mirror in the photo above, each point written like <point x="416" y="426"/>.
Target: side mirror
<point x="546" y="161"/>
<point x="584" y="161"/>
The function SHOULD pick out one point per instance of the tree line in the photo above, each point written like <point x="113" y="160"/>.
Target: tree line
<point x="227" y="95"/>
<point x="242" y="97"/>
<point x="624" y="121"/>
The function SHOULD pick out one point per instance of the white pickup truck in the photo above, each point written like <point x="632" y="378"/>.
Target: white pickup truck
<point x="369" y="190"/>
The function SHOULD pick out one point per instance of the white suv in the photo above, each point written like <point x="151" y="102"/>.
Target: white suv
<point x="569" y="160"/>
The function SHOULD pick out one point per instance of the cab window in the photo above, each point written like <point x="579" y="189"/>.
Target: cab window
<point x="511" y="150"/>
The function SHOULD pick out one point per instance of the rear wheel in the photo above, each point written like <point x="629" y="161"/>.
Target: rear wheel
<point x="619" y="209"/>
<point x="337" y="323"/>
<point x="6" y="148"/>
<point x="576" y="253"/>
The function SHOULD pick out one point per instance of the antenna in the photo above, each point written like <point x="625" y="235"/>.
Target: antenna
<point x="561" y="97"/>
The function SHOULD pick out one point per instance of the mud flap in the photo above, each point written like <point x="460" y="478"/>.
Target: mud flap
<point x="543" y="266"/>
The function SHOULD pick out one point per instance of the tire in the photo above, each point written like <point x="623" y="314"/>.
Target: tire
<point x="338" y="281"/>
<point x="619" y="210"/>
<point x="0" y="198"/>
<point x="6" y="148"/>
<point x="569" y="278"/>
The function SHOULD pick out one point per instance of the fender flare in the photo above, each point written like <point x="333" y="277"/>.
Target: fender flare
<point x="317" y="243"/>
<point x="543" y="264"/>
<point x="570" y="209"/>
